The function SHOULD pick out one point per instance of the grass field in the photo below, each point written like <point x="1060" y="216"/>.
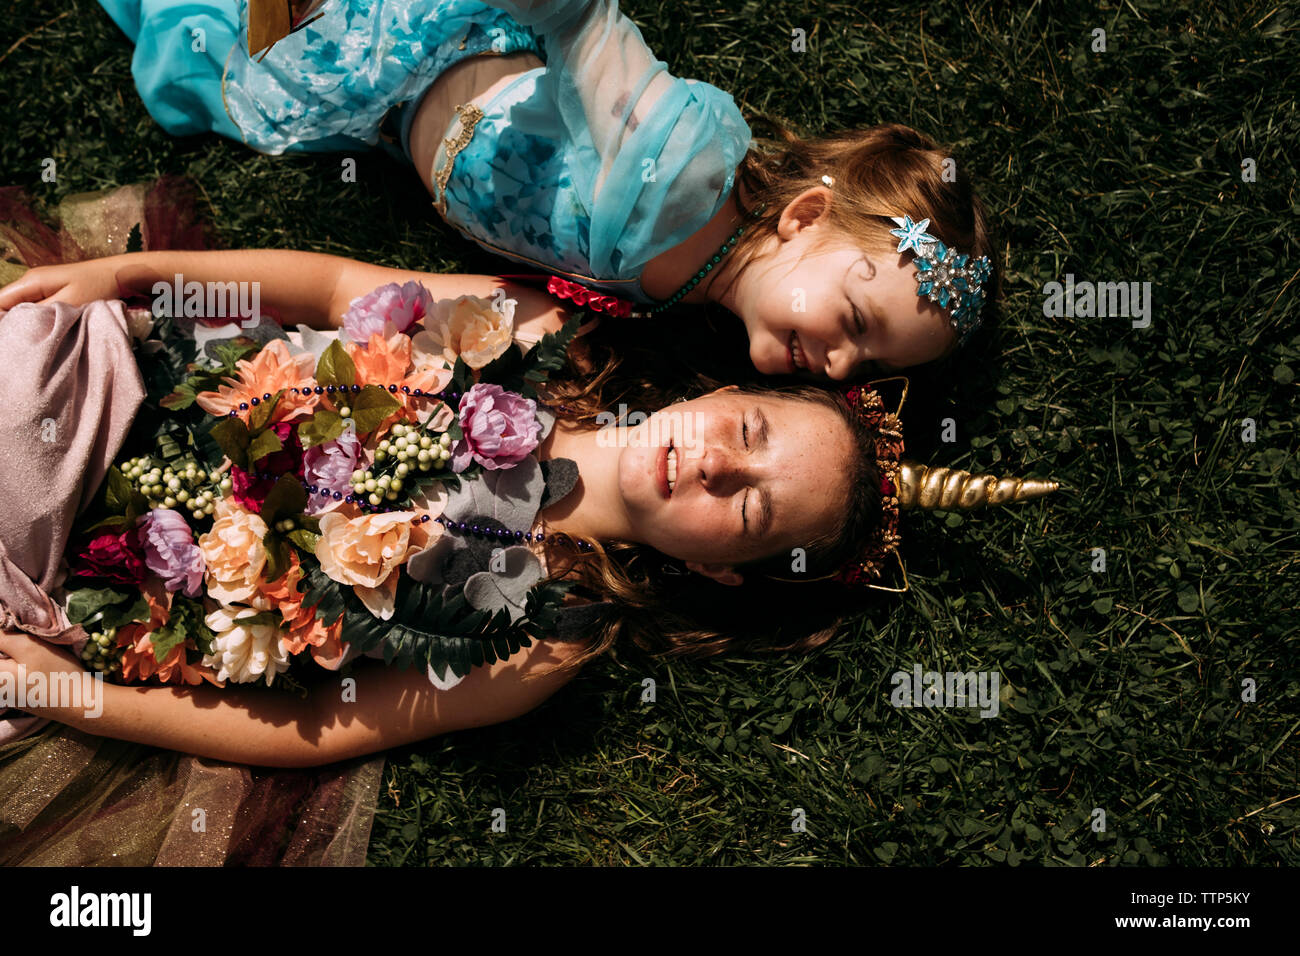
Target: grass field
<point x="1122" y="689"/>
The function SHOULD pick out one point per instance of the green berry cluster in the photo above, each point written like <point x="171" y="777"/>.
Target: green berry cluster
<point x="101" y="652"/>
<point x="184" y="485"/>
<point x="407" y="449"/>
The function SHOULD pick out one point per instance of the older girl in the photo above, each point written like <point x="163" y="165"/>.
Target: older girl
<point x="691" y="556"/>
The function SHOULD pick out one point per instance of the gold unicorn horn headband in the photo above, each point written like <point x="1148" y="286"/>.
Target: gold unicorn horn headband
<point x="948" y="489"/>
<point x="906" y="485"/>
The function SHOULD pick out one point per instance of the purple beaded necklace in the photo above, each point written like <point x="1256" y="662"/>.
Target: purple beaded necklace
<point x="501" y="534"/>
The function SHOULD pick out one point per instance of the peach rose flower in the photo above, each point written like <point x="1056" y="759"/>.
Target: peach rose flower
<point x="468" y="326"/>
<point x="365" y="553"/>
<point x="233" y="553"/>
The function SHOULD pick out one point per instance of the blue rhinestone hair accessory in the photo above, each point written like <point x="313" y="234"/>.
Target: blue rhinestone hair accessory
<point x="950" y="279"/>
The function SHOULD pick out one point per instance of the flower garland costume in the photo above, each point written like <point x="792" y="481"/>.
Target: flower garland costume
<point x="174" y="581"/>
<point x="295" y="482"/>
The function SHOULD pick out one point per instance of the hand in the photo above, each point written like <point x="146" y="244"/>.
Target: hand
<point x="33" y="654"/>
<point x="76" y="284"/>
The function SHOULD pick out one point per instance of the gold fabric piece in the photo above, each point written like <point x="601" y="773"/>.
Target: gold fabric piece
<point x="469" y="117"/>
<point x="269" y="22"/>
<point x="100" y="222"/>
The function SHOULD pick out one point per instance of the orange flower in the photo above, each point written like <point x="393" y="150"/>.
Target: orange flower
<point x="302" y="628"/>
<point x="139" y="662"/>
<point x="267" y="372"/>
<point x="383" y="360"/>
<point x="386" y="361"/>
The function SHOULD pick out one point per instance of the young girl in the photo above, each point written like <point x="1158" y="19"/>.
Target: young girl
<point x="550" y="134"/>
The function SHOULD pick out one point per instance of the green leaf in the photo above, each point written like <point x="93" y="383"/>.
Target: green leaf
<point x="230" y="351"/>
<point x="233" y="437"/>
<point x="321" y="427"/>
<point x="336" y="367"/>
<point x="119" y="614"/>
<point x="323" y="593"/>
<point x="462" y="377"/>
<point x="266" y="443"/>
<point x="273" y="618"/>
<point x="117" y="523"/>
<point x="286" y="499"/>
<point x="370" y="407"/>
<point x="117" y="491"/>
<point x="261" y="413"/>
<point x="182" y="398"/>
<point x="185" y="621"/>
<point x="550" y="354"/>
<point x="304" y="539"/>
<point x="84" y="602"/>
<point x="277" y="555"/>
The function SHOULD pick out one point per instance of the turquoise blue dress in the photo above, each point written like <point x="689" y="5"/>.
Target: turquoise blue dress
<point x="587" y="168"/>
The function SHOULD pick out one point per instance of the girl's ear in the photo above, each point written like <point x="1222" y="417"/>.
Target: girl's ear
<point x="722" y="573"/>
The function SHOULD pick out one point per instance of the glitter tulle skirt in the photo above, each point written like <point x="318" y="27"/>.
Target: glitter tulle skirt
<point x="68" y="797"/>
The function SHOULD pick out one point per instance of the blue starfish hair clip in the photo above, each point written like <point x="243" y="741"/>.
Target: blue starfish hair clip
<point x="946" y="277"/>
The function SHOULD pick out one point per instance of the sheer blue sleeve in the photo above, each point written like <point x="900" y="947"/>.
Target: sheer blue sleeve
<point x="656" y="155"/>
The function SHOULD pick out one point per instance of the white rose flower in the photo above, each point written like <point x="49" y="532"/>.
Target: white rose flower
<point x="244" y="652"/>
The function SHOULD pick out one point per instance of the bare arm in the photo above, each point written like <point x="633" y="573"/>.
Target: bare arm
<point x="389" y="708"/>
<point x="307" y="288"/>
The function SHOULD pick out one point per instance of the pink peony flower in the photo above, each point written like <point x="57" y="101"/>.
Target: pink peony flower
<point x="402" y="305"/>
<point x="500" y="428"/>
<point x="248" y="489"/>
<point x="170" y="551"/>
<point x="329" y="466"/>
<point x="114" y="557"/>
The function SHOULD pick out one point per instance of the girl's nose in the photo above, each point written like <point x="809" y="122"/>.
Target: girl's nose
<point x="718" y="469"/>
<point x="839" y="363"/>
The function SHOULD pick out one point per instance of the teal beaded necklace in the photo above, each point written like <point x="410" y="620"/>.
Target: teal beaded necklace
<point x="708" y="267"/>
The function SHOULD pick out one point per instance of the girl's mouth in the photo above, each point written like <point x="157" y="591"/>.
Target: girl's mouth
<point x="796" y="353"/>
<point x="666" y="471"/>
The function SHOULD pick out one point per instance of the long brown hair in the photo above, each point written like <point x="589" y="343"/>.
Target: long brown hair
<point x="654" y="603"/>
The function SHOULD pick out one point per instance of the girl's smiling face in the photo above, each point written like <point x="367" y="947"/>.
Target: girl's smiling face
<point x="815" y="303"/>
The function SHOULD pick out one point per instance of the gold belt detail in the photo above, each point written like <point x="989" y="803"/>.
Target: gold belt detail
<point x="469" y="117"/>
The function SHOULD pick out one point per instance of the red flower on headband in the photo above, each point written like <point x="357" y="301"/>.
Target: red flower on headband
<point x="870" y="561"/>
